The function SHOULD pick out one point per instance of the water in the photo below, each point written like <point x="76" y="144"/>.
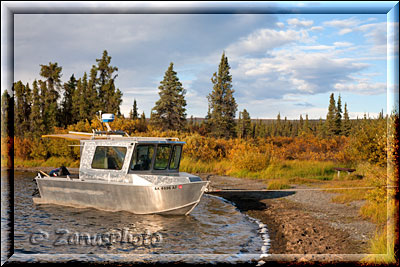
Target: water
<point x="213" y="227"/>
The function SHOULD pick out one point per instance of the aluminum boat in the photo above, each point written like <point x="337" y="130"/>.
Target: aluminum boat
<point x="117" y="173"/>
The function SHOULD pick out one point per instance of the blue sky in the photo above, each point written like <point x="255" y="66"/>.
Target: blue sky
<point x="280" y="63"/>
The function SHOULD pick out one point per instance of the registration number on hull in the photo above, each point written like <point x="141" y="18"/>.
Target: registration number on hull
<point x="169" y="187"/>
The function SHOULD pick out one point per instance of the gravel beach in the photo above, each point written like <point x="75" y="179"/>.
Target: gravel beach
<point x="299" y="221"/>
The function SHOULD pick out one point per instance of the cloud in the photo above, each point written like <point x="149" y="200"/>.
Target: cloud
<point x="280" y="24"/>
<point x="262" y="41"/>
<point x="317" y="28"/>
<point x="362" y="87"/>
<point x="342" y="44"/>
<point x="343" y="23"/>
<point x="300" y="23"/>
<point x="294" y="72"/>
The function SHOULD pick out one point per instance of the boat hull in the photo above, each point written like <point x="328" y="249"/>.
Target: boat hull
<point x="179" y="199"/>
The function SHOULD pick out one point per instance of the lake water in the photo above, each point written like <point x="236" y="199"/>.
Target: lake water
<point x="215" y="226"/>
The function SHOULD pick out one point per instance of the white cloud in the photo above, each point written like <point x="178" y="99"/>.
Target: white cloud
<point x="262" y="41"/>
<point x="300" y="23"/>
<point x="342" y="44"/>
<point x="343" y="23"/>
<point x="317" y="28"/>
<point x="317" y="47"/>
<point x="363" y="87"/>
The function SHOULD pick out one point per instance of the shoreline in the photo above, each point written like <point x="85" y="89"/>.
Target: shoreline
<point x="298" y="222"/>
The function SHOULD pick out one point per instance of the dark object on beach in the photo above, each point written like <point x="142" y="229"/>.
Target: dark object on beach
<point x="348" y="170"/>
<point x="62" y="171"/>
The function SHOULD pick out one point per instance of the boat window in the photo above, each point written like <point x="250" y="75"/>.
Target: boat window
<point x="162" y="157"/>
<point x="142" y="157"/>
<point x="109" y="157"/>
<point x="176" y="156"/>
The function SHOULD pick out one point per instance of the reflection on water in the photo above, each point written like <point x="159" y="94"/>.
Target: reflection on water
<point x="213" y="227"/>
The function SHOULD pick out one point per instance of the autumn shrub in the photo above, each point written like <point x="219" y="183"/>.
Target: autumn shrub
<point x="375" y="207"/>
<point x="369" y="142"/>
<point x="249" y="157"/>
<point x="22" y="147"/>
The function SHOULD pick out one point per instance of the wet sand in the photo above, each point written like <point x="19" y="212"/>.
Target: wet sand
<point x="299" y="221"/>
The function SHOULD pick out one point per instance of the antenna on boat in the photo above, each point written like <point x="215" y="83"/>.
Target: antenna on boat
<point x="106" y="118"/>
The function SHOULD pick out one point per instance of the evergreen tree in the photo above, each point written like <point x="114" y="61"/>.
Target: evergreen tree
<point x="169" y="112"/>
<point x="77" y="101"/>
<point x="244" y="124"/>
<point x="94" y="104"/>
<point x="50" y="94"/>
<point x="221" y="103"/>
<point x="306" y="127"/>
<point x="22" y="108"/>
<point x="320" y="131"/>
<point x="37" y="127"/>
<point x="6" y="114"/>
<point x="330" y="125"/>
<point x="301" y="125"/>
<point x="134" y="112"/>
<point x="338" y="117"/>
<point x="346" y="125"/>
<point x="67" y="102"/>
<point x="286" y="127"/>
<point x="278" y="127"/>
<point x="109" y="97"/>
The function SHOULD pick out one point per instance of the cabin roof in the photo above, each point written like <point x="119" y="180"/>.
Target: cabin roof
<point x="101" y="138"/>
<point x="140" y="140"/>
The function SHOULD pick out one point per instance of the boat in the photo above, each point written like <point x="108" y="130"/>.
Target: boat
<point x="122" y="173"/>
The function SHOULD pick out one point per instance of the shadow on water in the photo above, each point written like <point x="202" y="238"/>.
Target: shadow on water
<point x="251" y="200"/>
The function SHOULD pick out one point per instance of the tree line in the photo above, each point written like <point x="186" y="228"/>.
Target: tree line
<point x="47" y="103"/>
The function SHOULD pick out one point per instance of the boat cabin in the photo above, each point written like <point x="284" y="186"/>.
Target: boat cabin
<point x="119" y="156"/>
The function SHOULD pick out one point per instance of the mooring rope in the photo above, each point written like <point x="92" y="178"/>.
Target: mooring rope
<point x="296" y="189"/>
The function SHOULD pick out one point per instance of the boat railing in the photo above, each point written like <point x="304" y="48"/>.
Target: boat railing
<point x="140" y="138"/>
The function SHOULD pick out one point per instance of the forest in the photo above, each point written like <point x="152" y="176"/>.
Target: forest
<point x="279" y="151"/>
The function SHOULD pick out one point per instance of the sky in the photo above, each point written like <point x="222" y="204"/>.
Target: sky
<point x="280" y="63"/>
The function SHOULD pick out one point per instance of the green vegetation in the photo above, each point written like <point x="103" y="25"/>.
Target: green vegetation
<point x="169" y="112"/>
<point x="222" y="105"/>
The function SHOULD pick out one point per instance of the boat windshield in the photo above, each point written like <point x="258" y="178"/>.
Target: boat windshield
<point x="109" y="157"/>
<point x="166" y="157"/>
<point x="142" y="158"/>
<point x="176" y="157"/>
<point x="162" y="157"/>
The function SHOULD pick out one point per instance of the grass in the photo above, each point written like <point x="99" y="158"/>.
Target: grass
<point x="283" y="170"/>
<point x="380" y="252"/>
<point x="51" y="162"/>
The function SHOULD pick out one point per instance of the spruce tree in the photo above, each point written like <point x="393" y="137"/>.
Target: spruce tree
<point x="306" y="127"/>
<point x="134" y="112"/>
<point x="278" y="127"/>
<point x="330" y="125"/>
<point x="22" y="108"/>
<point x="52" y="75"/>
<point x="66" y="104"/>
<point x="221" y="103"/>
<point x="37" y="127"/>
<point x="338" y="117"/>
<point x="301" y="125"/>
<point x="244" y="124"/>
<point x="6" y="114"/>
<point x="169" y="111"/>
<point x="109" y="97"/>
<point x="346" y="125"/>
